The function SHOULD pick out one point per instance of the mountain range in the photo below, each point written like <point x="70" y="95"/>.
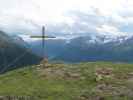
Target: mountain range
<point x="13" y="53"/>
<point x="88" y="48"/>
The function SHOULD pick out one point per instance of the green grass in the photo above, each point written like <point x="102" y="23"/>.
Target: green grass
<point x="60" y="84"/>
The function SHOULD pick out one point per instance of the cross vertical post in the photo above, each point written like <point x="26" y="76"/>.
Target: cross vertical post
<point x="43" y="41"/>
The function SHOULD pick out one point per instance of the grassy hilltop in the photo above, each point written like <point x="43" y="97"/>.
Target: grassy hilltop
<point x="83" y="81"/>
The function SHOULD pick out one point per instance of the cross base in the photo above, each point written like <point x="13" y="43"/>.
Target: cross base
<point x="44" y="63"/>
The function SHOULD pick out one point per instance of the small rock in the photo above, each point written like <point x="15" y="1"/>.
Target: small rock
<point x="103" y="72"/>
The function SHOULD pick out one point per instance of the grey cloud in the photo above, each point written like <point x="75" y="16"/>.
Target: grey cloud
<point x="84" y="22"/>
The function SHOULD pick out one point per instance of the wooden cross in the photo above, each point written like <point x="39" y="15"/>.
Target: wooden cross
<point x="43" y="37"/>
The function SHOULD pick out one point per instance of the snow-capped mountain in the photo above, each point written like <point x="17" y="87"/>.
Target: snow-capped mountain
<point x="88" y="48"/>
<point x="103" y="39"/>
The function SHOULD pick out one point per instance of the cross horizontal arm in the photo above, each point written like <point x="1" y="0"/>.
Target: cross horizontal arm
<point x="42" y="37"/>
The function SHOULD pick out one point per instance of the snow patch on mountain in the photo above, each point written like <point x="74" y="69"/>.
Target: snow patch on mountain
<point x="102" y="39"/>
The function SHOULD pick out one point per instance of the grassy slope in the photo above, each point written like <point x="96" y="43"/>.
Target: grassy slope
<point x="69" y="82"/>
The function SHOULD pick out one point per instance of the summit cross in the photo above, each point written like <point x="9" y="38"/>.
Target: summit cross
<point x="43" y="37"/>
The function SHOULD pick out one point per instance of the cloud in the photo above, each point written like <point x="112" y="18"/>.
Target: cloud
<point x="110" y="31"/>
<point x="67" y="17"/>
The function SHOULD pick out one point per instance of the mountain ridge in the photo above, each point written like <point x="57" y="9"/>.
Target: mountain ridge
<point x="12" y="53"/>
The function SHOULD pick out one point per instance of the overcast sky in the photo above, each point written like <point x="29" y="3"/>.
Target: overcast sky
<point x="67" y="17"/>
